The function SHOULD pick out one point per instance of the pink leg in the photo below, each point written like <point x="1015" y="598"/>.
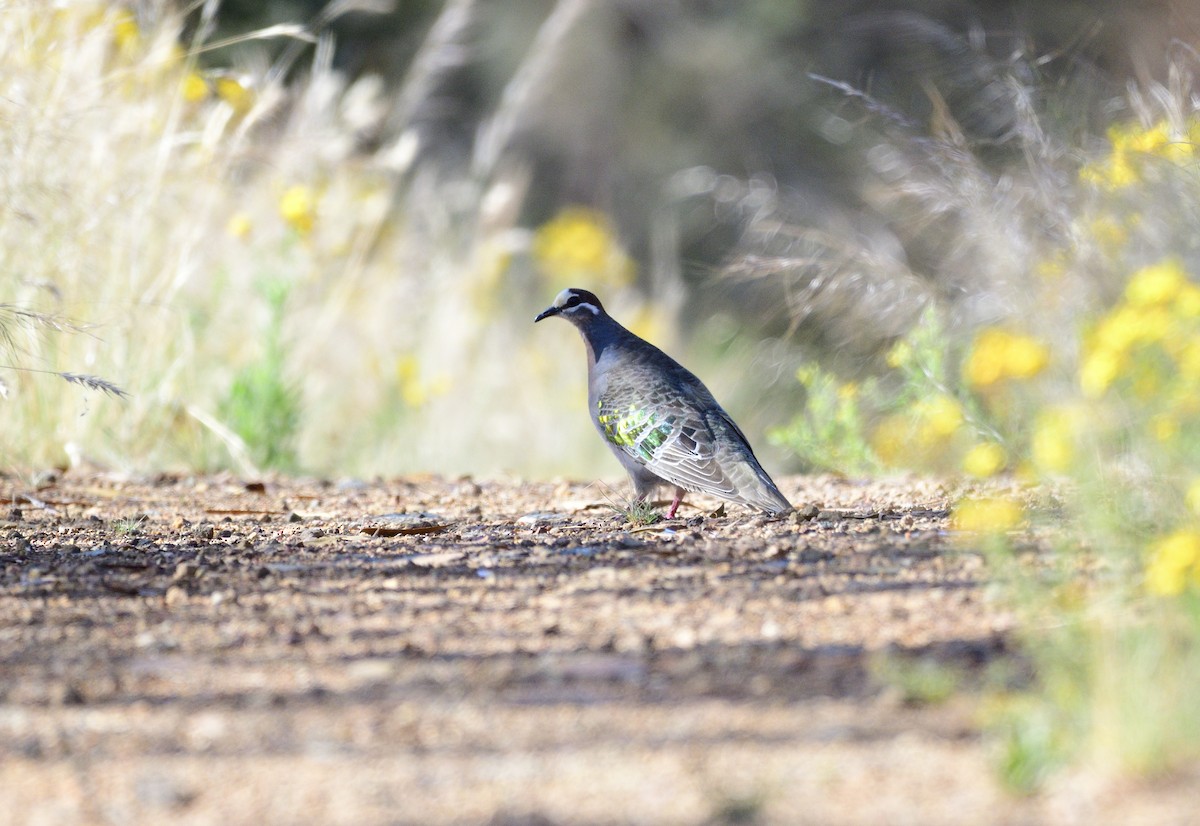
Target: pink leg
<point x="675" y="503"/>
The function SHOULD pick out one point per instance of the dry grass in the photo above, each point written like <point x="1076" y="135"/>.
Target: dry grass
<point x="188" y="229"/>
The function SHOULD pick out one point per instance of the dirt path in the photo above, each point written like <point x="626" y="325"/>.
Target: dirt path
<point x="203" y="650"/>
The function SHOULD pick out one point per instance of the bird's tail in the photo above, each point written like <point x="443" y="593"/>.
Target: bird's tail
<point x="760" y="492"/>
<point x="767" y="499"/>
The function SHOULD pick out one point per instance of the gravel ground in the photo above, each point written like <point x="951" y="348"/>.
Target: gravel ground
<point x="423" y="651"/>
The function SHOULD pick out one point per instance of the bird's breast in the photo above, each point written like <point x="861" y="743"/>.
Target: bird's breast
<point x="599" y="374"/>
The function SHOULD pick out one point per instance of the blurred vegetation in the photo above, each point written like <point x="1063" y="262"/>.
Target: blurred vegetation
<point x="263" y="404"/>
<point x="951" y="237"/>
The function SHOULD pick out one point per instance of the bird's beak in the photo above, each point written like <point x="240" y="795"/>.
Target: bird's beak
<point x="546" y="313"/>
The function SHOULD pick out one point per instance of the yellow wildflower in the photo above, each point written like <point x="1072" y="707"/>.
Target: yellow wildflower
<point x="1164" y="427"/>
<point x="1100" y="369"/>
<point x="415" y="391"/>
<point x="1129" y="144"/>
<point x="1172" y="560"/>
<point x="985" y="363"/>
<point x="195" y="88"/>
<point x="999" y="354"/>
<point x="298" y="206"/>
<point x="1115" y="172"/>
<point x="900" y="354"/>
<point x="987" y="515"/>
<point x="1126" y="326"/>
<point x="127" y="35"/>
<point x="942" y="415"/>
<point x="1050" y="268"/>
<point x="1109" y="346"/>
<point x="1156" y="284"/>
<point x="1026" y="357"/>
<point x="1187" y="303"/>
<point x="1053" y="445"/>
<point x="408" y="375"/>
<point x="238" y="93"/>
<point x="1121" y="172"/>
<point x="1179" y="149"/>
<point x="1192" y="497"/>
<point x="239" y="225"/>
<point x="890" y="439"/>
<point x="985" y="459"/>
<point x="806" y="374"/>
<point x="1147" y="141"/>
<point x="579" y="242"/>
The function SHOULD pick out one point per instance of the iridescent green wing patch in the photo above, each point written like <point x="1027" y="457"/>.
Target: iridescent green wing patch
<point x="639" y="431"/>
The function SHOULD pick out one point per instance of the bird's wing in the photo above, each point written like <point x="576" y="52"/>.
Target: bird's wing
<point x="675" y="444"/>
<point x="679" y="433"/>
<point x="753" y="484"/>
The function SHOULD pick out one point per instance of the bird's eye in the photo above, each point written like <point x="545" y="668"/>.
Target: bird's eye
<point x="573" y="301"/>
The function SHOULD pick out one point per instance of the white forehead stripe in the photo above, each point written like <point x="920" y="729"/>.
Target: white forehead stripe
<point x="567" y="294"/>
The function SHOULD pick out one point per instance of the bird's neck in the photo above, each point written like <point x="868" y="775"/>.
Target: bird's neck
<point x="600" y="332"/>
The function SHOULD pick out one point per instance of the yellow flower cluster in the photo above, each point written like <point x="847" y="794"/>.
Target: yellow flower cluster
<point x="579" y="248"/>
<point x="932" y="432"/>
<point x="900" y="355"/>
<point x="298" y="207"/>
<point x="935" y="431"/>
<point x="127" y="35"/>
<point x="1055" y="436"/>
<point x="1149" y="343"/>
<point x="943" y="431"/>
<point x="415" y="390"/>
<point x="1132" y="147"/>
<point x="239" y="226"/>
<point x="237" y="92"/>
<point x="1174" y="563"/>
<point x="998" y="355"/>
<point x="992" y="514"/>
<point x="940" y="416"/>
<point x="1141" y="360"/>
<point x="985" y="459"/>
<point x="131" y="46"/>
<point x="194" y="88"/>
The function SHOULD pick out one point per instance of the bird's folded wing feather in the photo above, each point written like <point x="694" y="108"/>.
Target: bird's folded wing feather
<point x="678" y="446"/>
<point x="692" y="467"/>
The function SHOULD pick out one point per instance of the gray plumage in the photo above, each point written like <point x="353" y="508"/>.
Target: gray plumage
<point x="660" y="421"/>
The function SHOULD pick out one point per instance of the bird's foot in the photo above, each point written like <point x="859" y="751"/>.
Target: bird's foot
<point x="675" y="503"/>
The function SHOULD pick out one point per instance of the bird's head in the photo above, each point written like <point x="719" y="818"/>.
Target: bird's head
<point x="574" y="305"/>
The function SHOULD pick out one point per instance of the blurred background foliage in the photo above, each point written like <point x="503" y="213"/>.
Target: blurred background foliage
<point x="956" y="237"/>
<point x="761" y="187"/>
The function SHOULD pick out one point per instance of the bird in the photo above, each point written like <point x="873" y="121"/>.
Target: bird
<point x="661" y="422"/>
